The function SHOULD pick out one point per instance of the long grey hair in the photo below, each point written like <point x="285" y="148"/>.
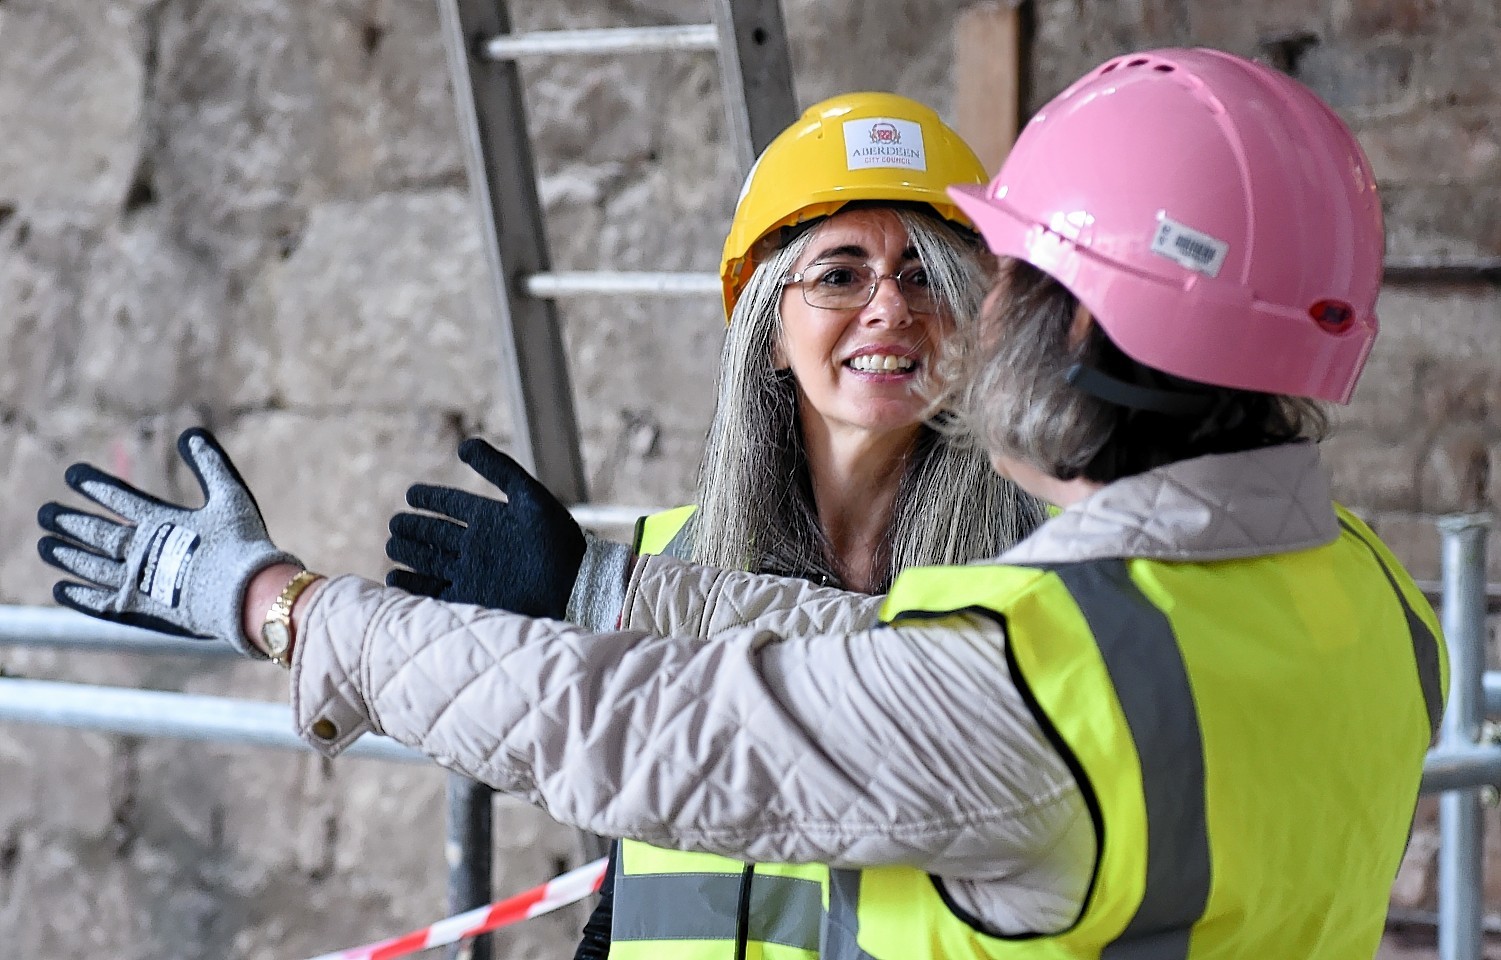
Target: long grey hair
<point x="755" y="495"/>
<point x="1010" y="390"/>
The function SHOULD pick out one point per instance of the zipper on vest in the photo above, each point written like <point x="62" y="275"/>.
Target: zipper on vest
<point x="742" y="911"/>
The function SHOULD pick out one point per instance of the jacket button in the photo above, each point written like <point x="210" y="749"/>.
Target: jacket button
<point x="324" y="729"/>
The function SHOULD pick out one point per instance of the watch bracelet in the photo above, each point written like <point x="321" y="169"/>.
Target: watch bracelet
<point x="281" y="610"/>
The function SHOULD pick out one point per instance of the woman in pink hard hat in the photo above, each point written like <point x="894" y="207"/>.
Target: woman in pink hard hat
<point x="1186" y="718"/>
<point x="1190" y="253"/>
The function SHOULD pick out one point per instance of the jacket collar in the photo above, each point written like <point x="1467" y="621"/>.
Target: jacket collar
<point x="1223" y="507"/>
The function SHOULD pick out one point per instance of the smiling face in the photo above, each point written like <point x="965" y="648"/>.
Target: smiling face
<point x="857" y="369"/>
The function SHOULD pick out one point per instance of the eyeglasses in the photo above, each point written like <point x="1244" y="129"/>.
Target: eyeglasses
<point x="843" y="286"/>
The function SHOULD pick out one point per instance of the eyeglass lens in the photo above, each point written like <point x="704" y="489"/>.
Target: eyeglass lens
<point x="849" y="286"/>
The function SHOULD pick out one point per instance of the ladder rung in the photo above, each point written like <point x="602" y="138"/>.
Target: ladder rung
<point x="609" y="40"/>
<point x="587" y="284"/>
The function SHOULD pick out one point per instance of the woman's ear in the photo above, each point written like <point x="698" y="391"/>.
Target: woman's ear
<point x="1078" y="330"/>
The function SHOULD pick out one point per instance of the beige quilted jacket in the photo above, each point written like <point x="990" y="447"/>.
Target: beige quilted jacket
<point x="784" y="724"/>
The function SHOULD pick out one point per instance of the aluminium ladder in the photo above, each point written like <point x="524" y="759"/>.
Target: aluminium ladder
<point x="756" y="81"/>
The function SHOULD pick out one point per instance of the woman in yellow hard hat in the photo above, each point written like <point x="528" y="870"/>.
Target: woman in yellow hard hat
<point x="846" y="266"/>
<point x="819" y="460"/>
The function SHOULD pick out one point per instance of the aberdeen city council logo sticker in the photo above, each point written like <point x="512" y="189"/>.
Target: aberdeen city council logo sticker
<point x="884" y="142"/>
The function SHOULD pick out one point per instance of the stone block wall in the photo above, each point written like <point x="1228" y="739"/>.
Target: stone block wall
<point x="253" y="214"/>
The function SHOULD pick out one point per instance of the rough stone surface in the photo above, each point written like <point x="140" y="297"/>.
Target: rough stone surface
<point x="254" y="214"/>
<point x="1449" y="144"/>
<point x="155" y="321"/>
<point x="71" y="99"/>
<point x="42" y="252"/>
<point x="381" y="306"/>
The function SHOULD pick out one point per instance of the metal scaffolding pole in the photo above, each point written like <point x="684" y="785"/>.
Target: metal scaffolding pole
<point x="1449" y="768"/>
<point x="1461" y="855"/>
<point x="62" y="628"/>
<point x="156" y="713"/>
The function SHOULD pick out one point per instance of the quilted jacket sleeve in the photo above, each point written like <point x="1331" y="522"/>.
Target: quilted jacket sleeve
<point x="670" y="596"/>
<point x="875" y="747"/>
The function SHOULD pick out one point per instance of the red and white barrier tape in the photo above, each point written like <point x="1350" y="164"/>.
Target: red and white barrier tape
<point x="571" y="887"/>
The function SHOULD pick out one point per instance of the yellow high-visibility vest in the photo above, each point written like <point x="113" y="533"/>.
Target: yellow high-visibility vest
<point x="1249" y="735"/>
<point x="677" y="905"/>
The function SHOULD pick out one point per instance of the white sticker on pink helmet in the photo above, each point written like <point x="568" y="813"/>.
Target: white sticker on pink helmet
<point x="1189" y="248"/>
<point x="884" y="142"/>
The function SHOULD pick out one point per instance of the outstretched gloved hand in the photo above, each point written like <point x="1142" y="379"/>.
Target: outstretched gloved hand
<point x="520" y="555"/>
<point x="166" y="567"/>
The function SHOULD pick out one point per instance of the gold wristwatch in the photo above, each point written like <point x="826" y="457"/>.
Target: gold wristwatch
<point x="276" y="632"/>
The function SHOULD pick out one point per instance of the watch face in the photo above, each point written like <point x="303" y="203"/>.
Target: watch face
<point x="277" y="636"/>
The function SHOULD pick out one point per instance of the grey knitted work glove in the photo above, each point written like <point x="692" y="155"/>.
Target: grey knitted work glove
<point x="167" y="568"/>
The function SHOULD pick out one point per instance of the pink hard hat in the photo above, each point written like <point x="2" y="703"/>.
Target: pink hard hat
<point x="1217" y="218"/>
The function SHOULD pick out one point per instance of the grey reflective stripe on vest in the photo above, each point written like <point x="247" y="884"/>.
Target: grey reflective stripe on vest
<point x="1146" y="668"/>
<point x="677" y="547"/>
<point x="1424" y="643"/>
<point x="703" y="906"/>
<point x="842" y="931"/>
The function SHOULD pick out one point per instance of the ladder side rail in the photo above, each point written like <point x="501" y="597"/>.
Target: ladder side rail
<point x="756" y="73"/>
<point x="502" y="178"/>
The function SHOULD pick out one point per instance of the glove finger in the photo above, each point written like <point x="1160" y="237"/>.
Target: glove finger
<point x="83" y="598"/>
<point x="103" y="536"/>
<point x="416" y="583"/>
<point x="216" y="473"/>
<point x="510" y="476"/>
<point x="496" y="467"/>
<point x="101" y="571"/>
<point x="95" y="603"/>
<point x="458" y="504"/>
<point x="443" y="534"/>
<point x="114" y="494"/>
<point x="421" y="557"/>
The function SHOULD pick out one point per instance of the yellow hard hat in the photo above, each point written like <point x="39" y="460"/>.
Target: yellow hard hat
<point x="856" y="146"/>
